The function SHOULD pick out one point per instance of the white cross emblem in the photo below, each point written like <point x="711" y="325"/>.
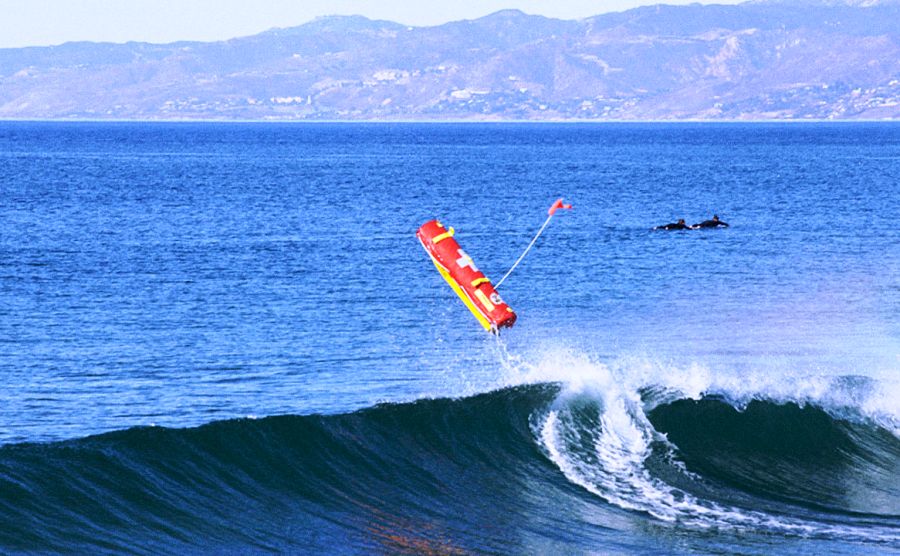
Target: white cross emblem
<point x="465" y="260"/>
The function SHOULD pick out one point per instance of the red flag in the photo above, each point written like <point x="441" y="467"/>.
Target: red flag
<point x="558" y="205"/>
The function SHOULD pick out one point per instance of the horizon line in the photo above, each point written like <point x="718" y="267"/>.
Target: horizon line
<point x="339" y="16"/>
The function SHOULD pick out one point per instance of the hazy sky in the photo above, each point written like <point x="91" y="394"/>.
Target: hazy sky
<point x="46" y="22"/>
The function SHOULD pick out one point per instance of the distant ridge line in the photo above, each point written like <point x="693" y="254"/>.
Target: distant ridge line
<point x="769" y="60"/>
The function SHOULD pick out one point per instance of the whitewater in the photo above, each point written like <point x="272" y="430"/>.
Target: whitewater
<point x="598" y="433"/>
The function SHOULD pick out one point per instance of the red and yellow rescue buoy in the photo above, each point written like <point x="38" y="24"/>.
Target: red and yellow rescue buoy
<point x="469" y="283"/>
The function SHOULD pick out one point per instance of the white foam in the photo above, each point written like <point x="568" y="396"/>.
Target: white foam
<point x="612" y="464"/>
<point x="854" y="398"/>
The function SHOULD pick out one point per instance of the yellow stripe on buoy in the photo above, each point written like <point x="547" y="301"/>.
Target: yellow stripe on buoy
<point x="481" y="318"/>
<point x="441" y="237"/>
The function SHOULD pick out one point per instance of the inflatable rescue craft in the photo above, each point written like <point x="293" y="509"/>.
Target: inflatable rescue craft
<point x="469" y="283"/>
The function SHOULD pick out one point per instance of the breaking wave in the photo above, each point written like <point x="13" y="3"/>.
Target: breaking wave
<point x="713" y="457"/>
<point x="569" y="449"/>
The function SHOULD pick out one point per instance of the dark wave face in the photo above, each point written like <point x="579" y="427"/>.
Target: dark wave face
<point x="530" y="469"/>
<point x="788" y="455"/>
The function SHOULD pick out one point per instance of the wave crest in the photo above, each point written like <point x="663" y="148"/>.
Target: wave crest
<point x="711" y="451"/>
<point x="576" y="444"/>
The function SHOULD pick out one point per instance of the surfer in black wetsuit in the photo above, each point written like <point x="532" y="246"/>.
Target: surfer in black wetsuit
<point x="680" y="225"/>
<point x="714" y="223"/>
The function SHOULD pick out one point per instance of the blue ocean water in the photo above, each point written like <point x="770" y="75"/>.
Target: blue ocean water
<point x="226" y="338"/>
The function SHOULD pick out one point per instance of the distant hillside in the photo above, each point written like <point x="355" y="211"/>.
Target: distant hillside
<point x="758" y="60"/>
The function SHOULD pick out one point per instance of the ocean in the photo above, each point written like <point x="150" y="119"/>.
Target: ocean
<point x="224" y="338"/>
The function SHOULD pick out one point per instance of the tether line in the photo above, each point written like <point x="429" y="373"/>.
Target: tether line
<point x="527" y="249"/>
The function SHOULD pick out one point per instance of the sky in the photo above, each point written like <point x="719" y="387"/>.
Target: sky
<point x="50" y="22"/>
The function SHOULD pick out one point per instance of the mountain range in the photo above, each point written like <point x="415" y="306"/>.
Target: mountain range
<point x="757" y="60"/>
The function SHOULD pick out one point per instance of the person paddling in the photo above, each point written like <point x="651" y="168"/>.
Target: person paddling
<point x="680" y="225"/>
<point x="714" y="223"/>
